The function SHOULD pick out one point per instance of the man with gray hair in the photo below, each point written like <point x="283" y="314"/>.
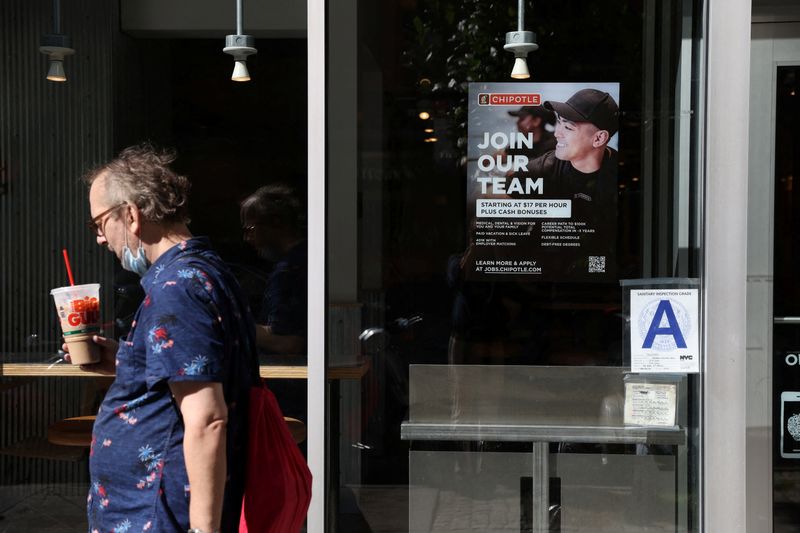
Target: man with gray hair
<point x="169" y="442"/>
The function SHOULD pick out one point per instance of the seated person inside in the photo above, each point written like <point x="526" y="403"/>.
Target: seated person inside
<point x="272" y="221"/>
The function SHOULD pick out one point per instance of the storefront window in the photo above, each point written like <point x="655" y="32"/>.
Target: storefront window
<point x="137" y="77"/>
<point x="479" y="318"/>
<point x="785" y="395"/>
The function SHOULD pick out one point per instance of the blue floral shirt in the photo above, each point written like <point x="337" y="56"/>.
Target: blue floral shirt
<point x="193" y="325"/>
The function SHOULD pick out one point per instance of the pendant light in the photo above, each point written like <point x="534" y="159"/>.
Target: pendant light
<point x="239" y="46"/>
<point x="56" y="46"/>
<point x="519" y="43"/>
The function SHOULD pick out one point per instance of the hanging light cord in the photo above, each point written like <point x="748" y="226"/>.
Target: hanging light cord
<point x="57" y="16"/>
<point x="521" y="15"/>
<point x="239" y="17"/>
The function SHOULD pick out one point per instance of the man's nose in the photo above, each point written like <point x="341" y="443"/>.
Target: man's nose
<point x="101" y="240"/>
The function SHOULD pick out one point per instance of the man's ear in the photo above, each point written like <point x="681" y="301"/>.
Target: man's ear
<point x="134" y="218"/>
<point x="600" y="139"/>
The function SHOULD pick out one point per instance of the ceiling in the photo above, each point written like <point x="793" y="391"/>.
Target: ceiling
<point x="212" y="18"/>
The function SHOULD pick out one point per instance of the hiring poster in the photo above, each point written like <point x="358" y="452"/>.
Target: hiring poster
<point x="542" y="181"/>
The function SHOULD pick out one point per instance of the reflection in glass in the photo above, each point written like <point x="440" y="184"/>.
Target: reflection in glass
<point x="436" y="435"/>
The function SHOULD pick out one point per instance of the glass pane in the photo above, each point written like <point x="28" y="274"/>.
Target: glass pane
<point x="786" y="340"/>
<point x="164" y="79"/>
<point x="467" y="397"/>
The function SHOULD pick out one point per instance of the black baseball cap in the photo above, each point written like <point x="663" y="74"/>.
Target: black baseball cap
<point x="589" y="105"/>
<point x="535" y="111"/>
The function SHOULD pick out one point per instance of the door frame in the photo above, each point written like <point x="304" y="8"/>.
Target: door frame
<point x="727" y="87"/>
<point x="773" y="45"/>
<point x="317" y="290"/>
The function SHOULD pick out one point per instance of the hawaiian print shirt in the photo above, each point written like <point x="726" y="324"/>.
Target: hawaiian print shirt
<point x="192" y="326"/>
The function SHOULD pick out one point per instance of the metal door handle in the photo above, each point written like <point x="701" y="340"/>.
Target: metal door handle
<point x="786" y="319"/>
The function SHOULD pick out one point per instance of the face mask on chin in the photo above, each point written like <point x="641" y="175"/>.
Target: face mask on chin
<point x="138" y="264"/>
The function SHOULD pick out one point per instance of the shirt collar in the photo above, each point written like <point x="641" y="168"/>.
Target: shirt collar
<point x="191" y="246"/>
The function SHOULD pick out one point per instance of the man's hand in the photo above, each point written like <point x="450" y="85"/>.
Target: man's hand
<point x="108" y="356"/>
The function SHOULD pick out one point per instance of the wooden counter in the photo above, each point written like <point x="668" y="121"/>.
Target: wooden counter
<point x="270" y="371"/>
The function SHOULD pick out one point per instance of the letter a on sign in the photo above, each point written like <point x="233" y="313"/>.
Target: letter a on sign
<point x="672" y="328"/>
<point x="664" y="325"/>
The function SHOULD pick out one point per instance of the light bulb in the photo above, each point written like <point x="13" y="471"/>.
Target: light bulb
<point x="56" y="71"/>
<point x="240" y="72"/>
<point x="56" y="47"/>
<point x="520" y="71"/>
<point x="424" y="115"/>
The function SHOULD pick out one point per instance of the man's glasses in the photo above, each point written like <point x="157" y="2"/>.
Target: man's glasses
<point x="96" y="224"/>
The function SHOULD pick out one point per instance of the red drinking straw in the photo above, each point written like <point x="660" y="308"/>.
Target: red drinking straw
<point x="69" y="268"/>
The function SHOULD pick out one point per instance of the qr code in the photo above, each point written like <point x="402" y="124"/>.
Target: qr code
<point x="597" y="263"/>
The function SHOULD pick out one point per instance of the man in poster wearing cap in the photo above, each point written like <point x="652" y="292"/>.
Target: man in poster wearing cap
<point x="583" y="169"/>
<point x="584" y="125"/>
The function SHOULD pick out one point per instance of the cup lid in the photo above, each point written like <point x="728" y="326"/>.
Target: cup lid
<point x="86" y="287"/>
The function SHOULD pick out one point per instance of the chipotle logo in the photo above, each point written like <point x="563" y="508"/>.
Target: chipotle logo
<point x="515" y="99"/>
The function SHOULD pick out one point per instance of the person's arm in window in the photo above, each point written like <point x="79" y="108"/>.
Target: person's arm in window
<point x="284" y="344"/>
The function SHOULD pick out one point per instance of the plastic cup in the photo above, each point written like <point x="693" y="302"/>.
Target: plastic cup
<point x="78" y="310"/>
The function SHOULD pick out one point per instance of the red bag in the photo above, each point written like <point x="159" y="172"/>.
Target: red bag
<point x="277" y="489"/>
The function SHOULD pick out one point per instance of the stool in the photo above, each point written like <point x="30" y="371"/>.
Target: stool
<point x="75" y="431"/>
<point x="296" y="428"/>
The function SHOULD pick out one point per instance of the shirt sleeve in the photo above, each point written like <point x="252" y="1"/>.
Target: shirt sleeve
<point x="184" y="338"/>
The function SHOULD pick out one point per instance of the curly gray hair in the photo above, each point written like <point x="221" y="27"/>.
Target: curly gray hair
<point x="141" y="175"/>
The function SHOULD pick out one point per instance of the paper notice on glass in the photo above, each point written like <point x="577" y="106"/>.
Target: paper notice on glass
<point x="665" y="326"/>
<point x="650" y="404"/>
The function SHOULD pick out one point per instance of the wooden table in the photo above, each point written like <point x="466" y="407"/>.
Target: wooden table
<point x="76" y="432"/>
<point x="270" y="371"/>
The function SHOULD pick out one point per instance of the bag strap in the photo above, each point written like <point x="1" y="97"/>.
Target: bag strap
<point x="234" y="291"/>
